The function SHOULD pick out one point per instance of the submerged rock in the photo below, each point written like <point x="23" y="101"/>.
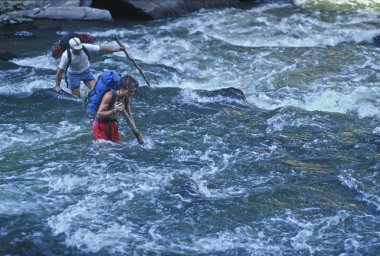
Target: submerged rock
<point x="229" y="92"/>
<point x="376" y="40"/>
<point x="6" y="55"/>
<point x="5" y="65"/>
<point x="23" y="34"/>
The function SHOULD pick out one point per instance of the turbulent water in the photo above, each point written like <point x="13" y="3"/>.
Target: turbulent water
<point x="294" y="170"/>
<point x="340" y="4"/>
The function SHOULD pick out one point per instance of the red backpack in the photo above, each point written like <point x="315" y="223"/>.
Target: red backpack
<point x="63" y="43"/>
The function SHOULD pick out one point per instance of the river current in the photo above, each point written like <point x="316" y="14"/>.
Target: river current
<point x="294" y="170"/>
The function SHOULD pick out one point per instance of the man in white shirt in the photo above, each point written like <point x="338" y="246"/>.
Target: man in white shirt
<point x="79" y="67"/>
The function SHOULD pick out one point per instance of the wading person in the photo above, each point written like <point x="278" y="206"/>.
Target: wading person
<point x="75" y="63"/>
<point x="114" y="102"/>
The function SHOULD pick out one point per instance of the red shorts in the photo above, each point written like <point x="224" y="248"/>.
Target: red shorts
<point x="106" y="131"/>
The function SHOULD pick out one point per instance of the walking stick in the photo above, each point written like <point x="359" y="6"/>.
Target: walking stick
<point x="132" y="125"/>
<point x="131" y="59"/>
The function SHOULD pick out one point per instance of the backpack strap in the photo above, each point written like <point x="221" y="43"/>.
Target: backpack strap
<point x="69" y="62"/>
<point x="112" y="102"/>
<point x="67" y="67"/>
<point x="113" y="91"/>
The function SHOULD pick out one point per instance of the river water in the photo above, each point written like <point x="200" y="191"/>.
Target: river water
<point x="294" y="170"/>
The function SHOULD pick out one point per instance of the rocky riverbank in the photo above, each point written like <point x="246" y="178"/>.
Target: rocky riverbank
<point x="18" y="11"/>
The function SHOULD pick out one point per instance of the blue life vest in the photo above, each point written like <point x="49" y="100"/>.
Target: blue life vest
<point x="107" y="81"/>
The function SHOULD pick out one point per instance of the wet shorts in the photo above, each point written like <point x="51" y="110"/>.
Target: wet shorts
<point x="74" y="79"/>
<point x="106" y="131"/>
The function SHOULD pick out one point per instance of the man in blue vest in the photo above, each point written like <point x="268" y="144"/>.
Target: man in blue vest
<point x="75" y="60"/>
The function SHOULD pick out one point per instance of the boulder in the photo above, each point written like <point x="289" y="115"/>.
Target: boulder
<point x="56" y="13"/>
<point x="16" y="11"/>
<point x="14" y="17"/>
<point x="72" y="13"/>
<point x="230" y="92"/>
<point x="16" y="5"/>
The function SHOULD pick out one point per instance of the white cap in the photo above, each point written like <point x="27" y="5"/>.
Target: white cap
<point x="75" y="43"/>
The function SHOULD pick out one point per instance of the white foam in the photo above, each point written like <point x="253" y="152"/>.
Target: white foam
<point x="33" y="133"/>
<point x="67" y="183"/>
<point x="13" y="208"/>
<point x="42" y="62"/>
<point x="298" y="30"/>
<point x="242" y="237"/>
<point x="363" y="4"/>
<point x="358" y="100"/>
<point x="279" y="121"/>
<point x="30" y="84"/>
<point x="348" y="179"/>
<point x="97" y="230"/>
<point x="302" y="233"/>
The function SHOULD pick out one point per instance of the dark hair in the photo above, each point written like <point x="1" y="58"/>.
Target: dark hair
<point x="128" y="81"/>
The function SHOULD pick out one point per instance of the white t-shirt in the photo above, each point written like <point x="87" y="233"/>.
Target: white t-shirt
<point x="79" y="63"/>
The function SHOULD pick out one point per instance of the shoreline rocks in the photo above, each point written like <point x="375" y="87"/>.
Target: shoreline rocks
<point x="19" y="11"/>
<point x="55" y="13"/>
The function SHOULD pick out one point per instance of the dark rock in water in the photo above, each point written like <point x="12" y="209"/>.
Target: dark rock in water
<point x="5" y="65"/>
<point x="229" y="92"/>
<point x="23" y="34"/>
<point x="377" y="40"/>
<point x="6" y="55"/>
<point x="186" y="188"/>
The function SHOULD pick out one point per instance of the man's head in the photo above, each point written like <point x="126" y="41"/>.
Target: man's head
<point x="129" y="84"/>
<point x="75" y="43"/>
